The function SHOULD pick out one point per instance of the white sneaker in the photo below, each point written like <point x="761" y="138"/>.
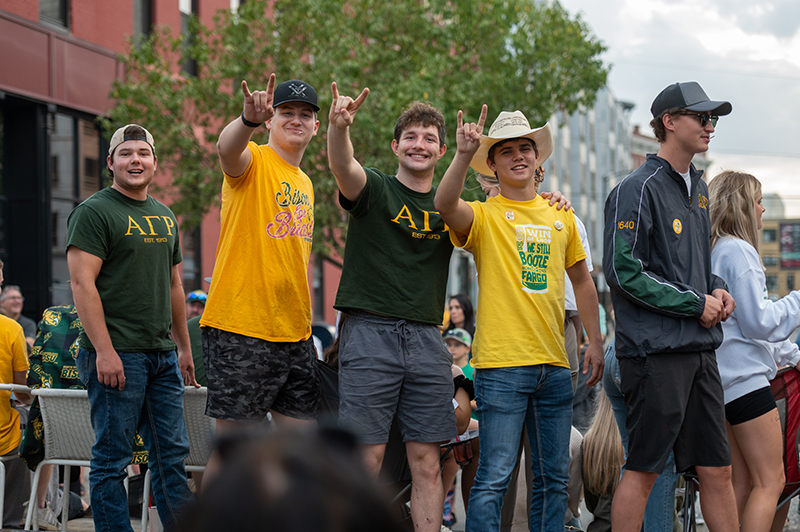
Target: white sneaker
<point x="47" y="519"/>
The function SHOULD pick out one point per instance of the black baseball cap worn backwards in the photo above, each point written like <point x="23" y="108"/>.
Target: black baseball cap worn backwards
<point x="688" y="95"/>
<point x="295" y="91"/>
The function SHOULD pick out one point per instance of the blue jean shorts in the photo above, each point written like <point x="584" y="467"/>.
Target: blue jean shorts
<point x="389" y="366"/>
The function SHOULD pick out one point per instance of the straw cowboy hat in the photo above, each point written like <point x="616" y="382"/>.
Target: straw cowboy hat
<point x="512" y="125"/>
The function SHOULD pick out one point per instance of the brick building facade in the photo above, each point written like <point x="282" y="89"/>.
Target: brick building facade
<point x="58" y="60"/>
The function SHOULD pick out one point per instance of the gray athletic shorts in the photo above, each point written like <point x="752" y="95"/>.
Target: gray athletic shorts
<point x="389" y="366"/>
<point x="247" y="377"/>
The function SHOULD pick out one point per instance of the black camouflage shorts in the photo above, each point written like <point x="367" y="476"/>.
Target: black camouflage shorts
<point x="247" y="377"/>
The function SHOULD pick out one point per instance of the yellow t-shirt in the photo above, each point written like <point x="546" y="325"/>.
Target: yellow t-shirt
<point x="259" y="287"/>
<point x="13" y="357"/>
<point x="521" y="250"/>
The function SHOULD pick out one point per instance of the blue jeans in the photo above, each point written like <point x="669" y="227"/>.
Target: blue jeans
<point x="152" y="404"/>
<point x="658" y="514"/>
<point x="541" y="398"/>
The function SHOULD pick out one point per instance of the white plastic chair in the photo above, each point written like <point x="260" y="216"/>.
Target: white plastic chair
<point x="202" y="431"/>
<point x="68" y="440"/>
<point x="14" y="388"/>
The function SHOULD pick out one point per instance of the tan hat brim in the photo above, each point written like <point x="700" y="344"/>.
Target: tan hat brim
<point x="542" y="136"/>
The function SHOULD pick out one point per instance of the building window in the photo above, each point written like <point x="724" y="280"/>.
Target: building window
<point x="770" y="261"/>
<point x="772" y="283"/>
<point x="192" y="260"/>
<point x="770" y="235"/>
<point x="74" y="176"/>
<point x="142" y="18"/>
<point x="318" y="286"/>
<point x="188" y="8"/>
<point x="54" y="12"/>
<point x="790" y="282"/>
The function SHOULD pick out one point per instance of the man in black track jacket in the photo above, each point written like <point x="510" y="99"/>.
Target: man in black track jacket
<point x="668" y="304"/>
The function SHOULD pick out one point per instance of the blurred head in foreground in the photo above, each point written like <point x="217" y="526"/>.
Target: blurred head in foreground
<point x="291" y="482"/>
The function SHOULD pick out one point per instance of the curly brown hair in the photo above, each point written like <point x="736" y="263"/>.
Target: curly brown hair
<point x="420" y="113"/>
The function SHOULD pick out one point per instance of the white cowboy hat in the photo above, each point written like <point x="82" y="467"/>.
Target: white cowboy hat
<point x="514" y="125"/>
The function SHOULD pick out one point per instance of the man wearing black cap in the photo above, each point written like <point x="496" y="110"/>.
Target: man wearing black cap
<point x="657" y="261"/>
<point x="258" y="352"/>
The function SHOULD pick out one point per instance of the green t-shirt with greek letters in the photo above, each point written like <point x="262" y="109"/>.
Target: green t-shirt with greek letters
<point x="139" y="244"/>
<point x="397" y="252"/>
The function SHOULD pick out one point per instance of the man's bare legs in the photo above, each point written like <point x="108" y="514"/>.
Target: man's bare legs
<point x="427" y="498"/>
<point x="630" y="500"/>
<point x="427" y="495"/>
<point x="44" y="480"/>
<point x="717" y="499"/>
<point x="286" y="422"/>
<point x="372" y="455"/>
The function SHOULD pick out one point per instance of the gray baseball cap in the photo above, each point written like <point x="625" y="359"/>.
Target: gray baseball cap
<point x="688" y="95"/>
<point x="460" y="335"/>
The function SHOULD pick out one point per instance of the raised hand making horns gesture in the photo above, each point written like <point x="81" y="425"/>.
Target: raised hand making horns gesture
<point x="468" y="136"/>
<point x="344" y="108"/>
<point x="258" y="104"/>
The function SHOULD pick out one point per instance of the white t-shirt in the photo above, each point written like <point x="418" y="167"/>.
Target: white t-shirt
<point x="569" y="292"/>
<point x="686" y="177"/>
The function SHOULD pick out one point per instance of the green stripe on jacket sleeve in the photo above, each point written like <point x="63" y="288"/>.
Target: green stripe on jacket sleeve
<point x="649" y="289"/>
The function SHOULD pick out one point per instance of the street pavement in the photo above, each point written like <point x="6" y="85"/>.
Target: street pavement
<point x="520" y="517"/>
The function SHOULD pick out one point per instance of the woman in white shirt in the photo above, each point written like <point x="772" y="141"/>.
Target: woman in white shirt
<point x="755" y="344"/>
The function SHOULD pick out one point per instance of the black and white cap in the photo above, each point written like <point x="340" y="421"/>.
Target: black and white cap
<point x="295" y="91"/>
<point x="688" y="95"/>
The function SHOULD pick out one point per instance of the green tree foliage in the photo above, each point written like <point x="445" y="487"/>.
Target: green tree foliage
<point x="510" y="54"/>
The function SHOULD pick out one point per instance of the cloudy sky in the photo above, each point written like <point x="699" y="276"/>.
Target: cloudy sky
<point x="744" y="52"/>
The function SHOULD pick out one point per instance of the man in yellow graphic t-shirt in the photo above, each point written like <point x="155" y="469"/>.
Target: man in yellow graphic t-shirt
<point x="257" y="347"/>
<point x="522" y="247"/>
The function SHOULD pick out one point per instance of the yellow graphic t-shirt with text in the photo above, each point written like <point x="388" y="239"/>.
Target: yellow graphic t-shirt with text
<point x="521" y="250"/>
<point x="259" y="287"/>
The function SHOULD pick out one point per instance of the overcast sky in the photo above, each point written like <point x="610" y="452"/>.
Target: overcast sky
<point x="744" y="52"/>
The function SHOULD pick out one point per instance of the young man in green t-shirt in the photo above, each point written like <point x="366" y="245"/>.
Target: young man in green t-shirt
<point x="522" y="248"/>
<point x="123" y="254"/>
<point x="391" y="357"/>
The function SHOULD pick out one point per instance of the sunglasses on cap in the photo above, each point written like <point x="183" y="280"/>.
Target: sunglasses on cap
<point x="704" y="118"/>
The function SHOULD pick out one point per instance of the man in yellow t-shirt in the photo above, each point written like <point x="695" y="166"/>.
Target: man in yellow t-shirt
<point x="13" y="370"/>
<point x="522" y="247"/>
<point x="256" y="327"/>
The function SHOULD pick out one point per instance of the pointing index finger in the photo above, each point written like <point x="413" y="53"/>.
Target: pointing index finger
<point x="460" y="119"/>
<point x="270" y="89"/>
<point x="245" y="90"/>
<point x="334" y="91"/>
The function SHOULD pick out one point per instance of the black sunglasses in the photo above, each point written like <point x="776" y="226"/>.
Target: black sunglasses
<point x="704" y="118"/>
